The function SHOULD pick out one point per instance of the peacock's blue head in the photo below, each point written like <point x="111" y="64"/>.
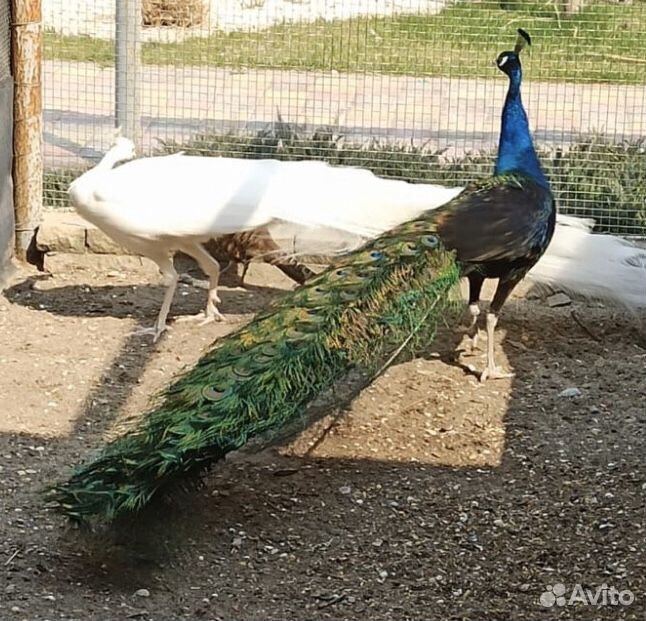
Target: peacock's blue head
<point x="509" y="63"/>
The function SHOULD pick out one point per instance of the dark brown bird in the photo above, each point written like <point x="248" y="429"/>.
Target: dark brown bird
<point x="258" y="244"/>
<point x="245" y="247"/>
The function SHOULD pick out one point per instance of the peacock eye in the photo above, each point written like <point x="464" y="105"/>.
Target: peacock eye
<point x="341" y="273"/>
<point x="213" y="394"/>
<point x="376" y="255"/>
<point x="430" y="241"/>
<point x="242" y="371"/>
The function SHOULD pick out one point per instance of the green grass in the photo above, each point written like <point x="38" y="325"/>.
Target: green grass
<point x="592" y="178"/>
<point x="55" y="184"/>
<point x="605" y="42"/>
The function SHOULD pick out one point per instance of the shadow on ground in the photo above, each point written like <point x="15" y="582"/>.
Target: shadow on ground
<point x="430" y="496"/>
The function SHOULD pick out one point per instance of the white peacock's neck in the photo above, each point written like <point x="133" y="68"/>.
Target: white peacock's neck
<point x="110" y="160"/>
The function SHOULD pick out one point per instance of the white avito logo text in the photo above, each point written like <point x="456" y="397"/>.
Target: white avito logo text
<point x="604" y="595"/>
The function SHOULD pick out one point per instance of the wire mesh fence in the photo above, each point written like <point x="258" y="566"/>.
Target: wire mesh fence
<point x="406" y="88"/>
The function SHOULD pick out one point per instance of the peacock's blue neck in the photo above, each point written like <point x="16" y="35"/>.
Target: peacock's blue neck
<point x="516" y="151"/>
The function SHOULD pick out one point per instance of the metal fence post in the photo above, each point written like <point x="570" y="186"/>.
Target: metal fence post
<point x="128" y="69"/>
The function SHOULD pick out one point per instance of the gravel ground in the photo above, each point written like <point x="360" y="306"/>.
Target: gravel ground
<point x="428" y="497"/>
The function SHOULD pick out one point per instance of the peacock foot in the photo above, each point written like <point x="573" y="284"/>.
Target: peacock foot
<point x="187" y="279"/>
<point x="202" y="318"/>
<point x="471" y="332"/>
<point x="470" y="344"/>
<point x="494" y="373"/>
<point x="154" y="330"/>
<point x="211" y="317"/>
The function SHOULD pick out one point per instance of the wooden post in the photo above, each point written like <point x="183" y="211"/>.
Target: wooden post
<point x="26" y="56"/>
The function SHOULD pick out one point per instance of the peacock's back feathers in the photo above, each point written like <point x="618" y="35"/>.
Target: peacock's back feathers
<point x="506" y="219"/>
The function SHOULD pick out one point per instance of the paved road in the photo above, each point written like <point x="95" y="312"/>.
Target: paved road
<point x="462" y="114"/>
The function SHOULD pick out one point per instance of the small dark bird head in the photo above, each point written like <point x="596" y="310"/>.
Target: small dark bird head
<point x="509" y="62"/>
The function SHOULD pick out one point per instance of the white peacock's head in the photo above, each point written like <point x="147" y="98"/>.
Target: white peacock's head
<point x="123" y="149"/>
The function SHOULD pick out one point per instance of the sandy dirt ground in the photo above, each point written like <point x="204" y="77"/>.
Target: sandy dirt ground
<point x="429" y="496"/>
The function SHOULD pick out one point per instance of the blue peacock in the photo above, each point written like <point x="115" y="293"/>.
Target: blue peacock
<point x="501" y="227"/>
<point x="366" y="308"/>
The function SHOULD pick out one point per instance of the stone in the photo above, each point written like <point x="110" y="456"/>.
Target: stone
<point x="61" y="232"/>
<point x="99" y="243"/>
<point x="558" y="299"/>
<point x="570" y="392"/>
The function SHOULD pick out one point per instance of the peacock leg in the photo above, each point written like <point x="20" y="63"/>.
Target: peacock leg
<point x="491" y="371"/>
<point x="167" y="269"/>
<point x="212" y="268"/>
<point x="503" y="290"/>
<point x="245" y="269"/>
<point x="475" y="288"/>
<point x="472" y="331"/>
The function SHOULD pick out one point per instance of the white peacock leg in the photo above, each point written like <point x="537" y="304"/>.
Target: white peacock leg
<point x="167" y="269"/>
<point x="212" y="268"/>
